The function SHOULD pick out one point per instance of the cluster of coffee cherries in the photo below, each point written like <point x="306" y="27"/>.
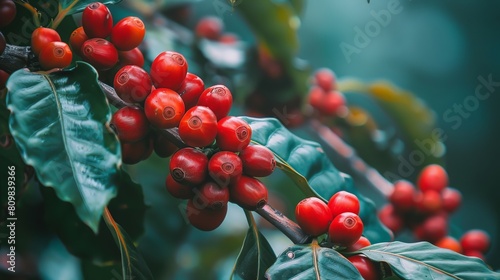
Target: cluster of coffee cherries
<point x="425" y="210"/>
<point x="212" y="28"/>
<point x="324" y="96"/>
<point x="340" y="221"/>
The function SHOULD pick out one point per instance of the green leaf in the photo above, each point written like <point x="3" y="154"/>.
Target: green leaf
<point x="256" y="255"/>
<point x="58" y="121"/>
<point x="133" y="264"/>
<point x="307" y="165"/>
<point x="306" y="262"/>
<point x="423" y="260"/>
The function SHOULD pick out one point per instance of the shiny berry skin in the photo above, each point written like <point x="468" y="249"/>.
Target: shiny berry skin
<point x="366" y="267"/>
<point x="316" y="97"/>
<point x="313" y="216"/>
<point x="100" y="53"/>
<point x="345" y="229"/>
<point x="249" y="193"/>
<point x="163" y="147"/>
<point x="209" y="28"/>
<point x="432" y="177"/>
<point x="360" y="244"/>
<point x="191" y="89"/>
<point x="206" y="219"/>
<point x="76" y="40"/>
<point x="130" y="124"/>
<point x="168" y="70"/>
<point x="41" y="37"/>
<point x="132" y="84"/>
<point x="403" y="196"/>
<point x="177" y="189"/>
<point x="343" y="201"/>
<point x="211" y="195"/>
<point x="8" y="12"/>
<point x="325" y="79"/>
<point x="134" y="152"/>
<point x="164" y="108"/>
<point x="189" y="166"/>
<point x="132" y="57"/>
<point x="233" y="134"/>
<point x="55" y="55"/>
<point x="225" y="168"/>
<point x="452" y="199"/>
<point x="258" y="161"/>
<point x="97" y="20"/>
<point x="390" y="218"/>
<point x="128" y="33"/>
<point x="333" y="104"/>
<point x="475" y="240"/>
<point x="449" y="243"/>
<point x="198" y="127"/>
<point x="218" y="98"/>
<point x="428" y="202"/>
<point x="432" y="229"/>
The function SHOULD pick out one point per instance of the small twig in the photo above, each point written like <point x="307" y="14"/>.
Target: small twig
<point x="33" y="10"/>
<point x="284" y="224"/>
<point x="16" y="57"/>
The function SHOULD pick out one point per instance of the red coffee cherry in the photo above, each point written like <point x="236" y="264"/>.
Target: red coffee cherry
<point x="432" y="177"/>
<point x="55" y="55"/>
<point x="209" y="28"/>
<point x="218" y="98"/>
<point x="211" y="195"/>
<point x="168" y="70"/>
<point x="228" y="38"/>
<point x="313" y="216"/>
<point x="130" y="124"/>
<point x="132" y="57"/>
<point x="366" y="267"/>
<point x="432" y="229"/>
<point x="475" y="240"/>
<point x="345" y="229"/>
<point x="258" y="161"/>
<point x="403" y="196"/>
<point x="225" y="168"/>
<point x="191" y="89"/>
<point x="233" y="134"/>
<point x="475" y="254"/>
<point x="97" y="20"/>
<point x="76" y="40"/>
<point x="134" y="152"/>
<point x="163" y="147"/>
<point x="249" y="193"/>
<point x="198" y="127"/>
<point x="428" y="202"/>
<point x="128" y="33"/>
<point x="177" y="189"/>
<point x="325" y="79"/>
<point x="342" y="202"/>
<point x="100" y="53"/>
<point x="132" y="84"/>
<point x="188" y="166"/>
<point x="390" y="218"/>
<point x="360" y="244"/>
<point x="316" y="97"/>
<point x="164" y="108"/>
<point x="333" y="104"/>
<point x="206" y="219"/>
<point x="449" y="243"/>
<point x="8" y="12"/>
<point x="41" y="37"/>
<point x="452" y="198"/>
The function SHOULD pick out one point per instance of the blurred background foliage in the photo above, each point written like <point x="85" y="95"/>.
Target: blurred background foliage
<point x="435" y="50"/>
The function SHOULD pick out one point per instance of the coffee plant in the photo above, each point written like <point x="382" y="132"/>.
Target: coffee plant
<point x="124" y="130"/>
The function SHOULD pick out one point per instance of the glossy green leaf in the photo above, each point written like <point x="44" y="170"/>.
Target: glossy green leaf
<point x="423" y="260"/>
<point x="308" y="166"/>
<point x="308" y="262"/>
<point x="256" y="255"/>
<point x="59" y="122"/>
